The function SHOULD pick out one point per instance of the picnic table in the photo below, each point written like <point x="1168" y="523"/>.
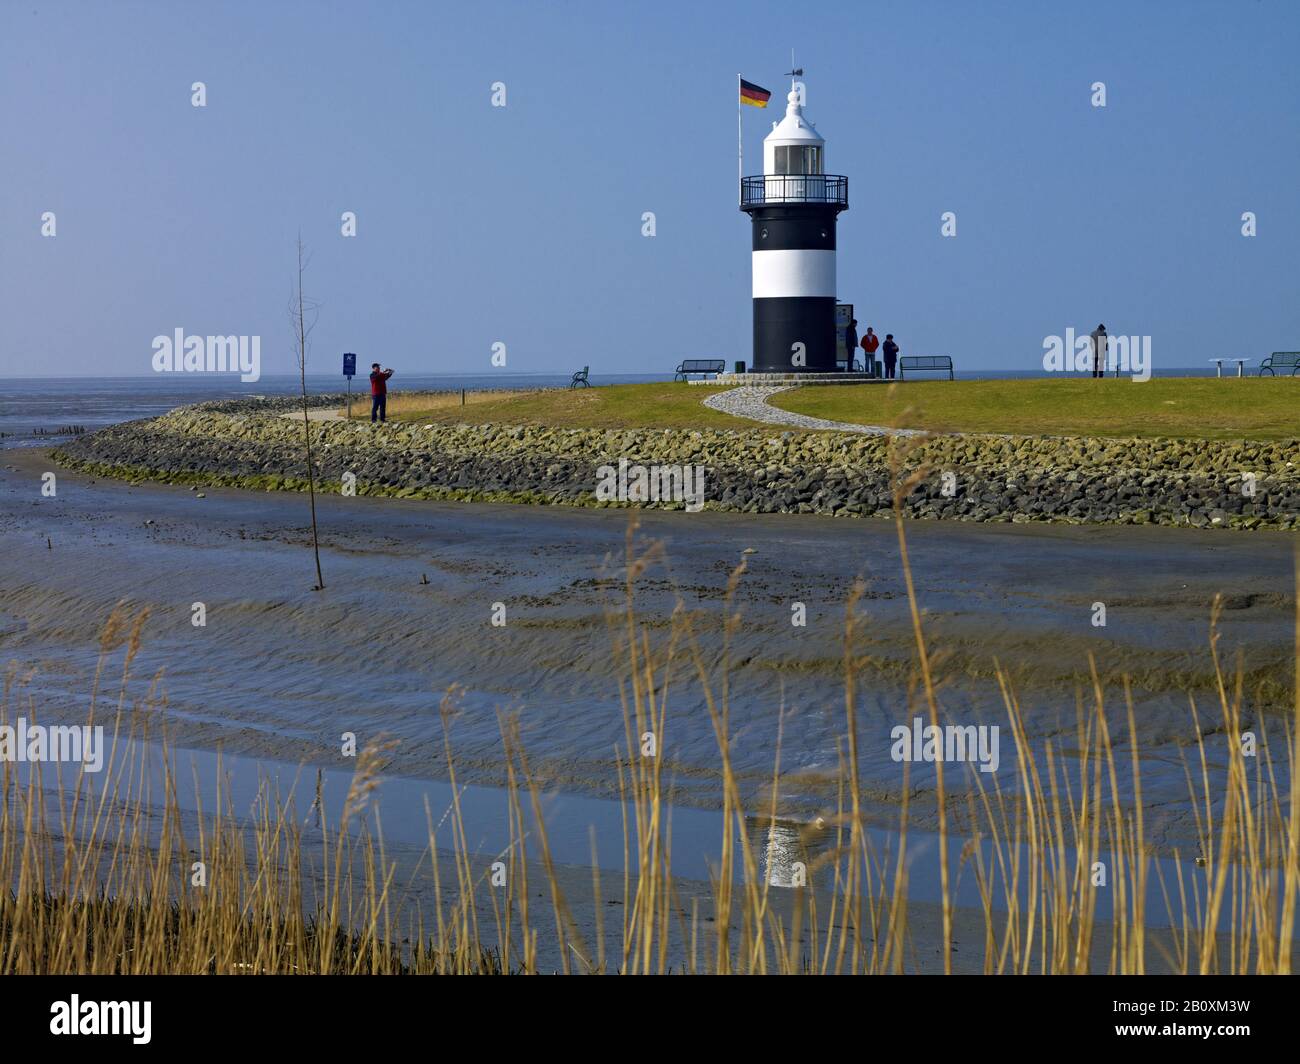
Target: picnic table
<point x="1218" y="364"/>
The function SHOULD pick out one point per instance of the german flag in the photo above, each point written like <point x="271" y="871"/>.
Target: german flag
<point x="753" y="95"/>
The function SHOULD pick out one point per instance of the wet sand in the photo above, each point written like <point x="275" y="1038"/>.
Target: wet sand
<point x="281" y="671"/>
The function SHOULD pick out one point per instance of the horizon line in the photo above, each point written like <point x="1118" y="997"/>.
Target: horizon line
<point x="233" y="378"/>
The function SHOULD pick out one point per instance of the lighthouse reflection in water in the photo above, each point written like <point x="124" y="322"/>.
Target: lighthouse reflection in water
<point x="785" y="861"/>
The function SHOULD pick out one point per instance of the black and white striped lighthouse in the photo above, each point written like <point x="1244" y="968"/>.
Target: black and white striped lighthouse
<point x="793" y="205"/>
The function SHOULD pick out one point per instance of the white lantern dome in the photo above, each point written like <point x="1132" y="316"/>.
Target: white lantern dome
<point x="794" y="146"/>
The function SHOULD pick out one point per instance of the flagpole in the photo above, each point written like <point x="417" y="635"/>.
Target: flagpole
<point x="740" y="147"/>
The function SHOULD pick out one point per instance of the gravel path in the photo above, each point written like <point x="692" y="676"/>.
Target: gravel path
<point x="751" y="402"/>
<point x="328" y="414"/>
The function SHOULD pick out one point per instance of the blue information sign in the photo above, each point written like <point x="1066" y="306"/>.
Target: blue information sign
<point x="349" y="365"/>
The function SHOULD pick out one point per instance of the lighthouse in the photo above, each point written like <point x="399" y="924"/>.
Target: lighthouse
<point x="793" y="205"/>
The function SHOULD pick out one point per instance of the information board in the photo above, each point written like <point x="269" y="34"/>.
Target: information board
<point x="843" y="315"/>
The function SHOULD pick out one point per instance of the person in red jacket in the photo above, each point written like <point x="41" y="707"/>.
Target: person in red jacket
<point x="870" y="341"/>
<point x="379" y="391"/>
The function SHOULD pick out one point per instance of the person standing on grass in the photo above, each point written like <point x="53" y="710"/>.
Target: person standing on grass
<point x="379" y="391"/>
<point x="1099" y="351"/>
<point x="891" y="355"/>
<point x="869" y="344"/>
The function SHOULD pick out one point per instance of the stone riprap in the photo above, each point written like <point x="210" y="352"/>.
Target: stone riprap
<point x="248" y="443"/>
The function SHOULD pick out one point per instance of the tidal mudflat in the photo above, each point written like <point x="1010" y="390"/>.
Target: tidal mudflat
<point x="412" y="586"/>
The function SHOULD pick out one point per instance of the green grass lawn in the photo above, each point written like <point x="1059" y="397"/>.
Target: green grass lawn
<point x="1205" y="408"/>
<point x="1200" y="408"/>
<point x="668" y="405"/>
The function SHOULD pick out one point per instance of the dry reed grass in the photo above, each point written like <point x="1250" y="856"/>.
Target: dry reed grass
<point x="401" y="403"/>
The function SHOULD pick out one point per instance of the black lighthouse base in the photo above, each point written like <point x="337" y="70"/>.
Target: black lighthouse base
<point x="781" y="323"/>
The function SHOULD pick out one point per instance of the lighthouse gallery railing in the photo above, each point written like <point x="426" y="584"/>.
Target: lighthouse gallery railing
<point x="794" y="188"/>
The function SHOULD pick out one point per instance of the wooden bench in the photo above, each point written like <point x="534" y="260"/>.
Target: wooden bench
<point x="698" y="365"/>
<point x="1282" y="360"/>
<point x="580" y="377"/>
<point x="925" y="363"/>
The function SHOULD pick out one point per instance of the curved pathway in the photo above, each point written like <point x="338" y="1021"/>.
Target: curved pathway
<point x="750" y="402"/>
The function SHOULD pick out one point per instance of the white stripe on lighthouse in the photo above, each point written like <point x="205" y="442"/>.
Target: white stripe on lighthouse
<point x="793" y="273"/>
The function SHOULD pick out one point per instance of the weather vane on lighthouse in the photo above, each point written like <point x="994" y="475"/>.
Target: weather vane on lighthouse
<point x="793" y="206"/>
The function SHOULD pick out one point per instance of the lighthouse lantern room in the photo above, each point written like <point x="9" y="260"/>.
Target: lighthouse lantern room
<point x="793" y="206"/>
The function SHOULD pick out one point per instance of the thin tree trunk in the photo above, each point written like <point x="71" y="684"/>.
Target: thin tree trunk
<point x="306" y="421"/>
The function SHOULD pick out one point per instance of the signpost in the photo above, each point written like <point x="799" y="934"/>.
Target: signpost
<point x="349" y="371"/>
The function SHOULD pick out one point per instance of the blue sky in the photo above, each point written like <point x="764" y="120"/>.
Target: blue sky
<point x="522" y="224"/>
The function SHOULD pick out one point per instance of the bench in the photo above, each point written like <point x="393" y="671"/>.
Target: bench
<point x="1283" y="360"/>
<point x="698" y="365"/>
<point x="580" y="377"/>
<point x="925" y="363"/>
